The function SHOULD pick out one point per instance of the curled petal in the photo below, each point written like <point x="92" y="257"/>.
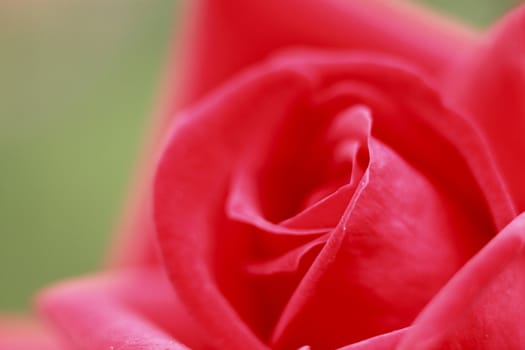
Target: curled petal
<point x="132" y="310"/>
<point x="394" y="248"/>
<point x="190" y="188"/>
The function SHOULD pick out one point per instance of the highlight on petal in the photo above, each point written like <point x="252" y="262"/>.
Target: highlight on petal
<point x="128" y="310"/>
<point x="483" y="306"/>
<point x="21" y="333"/>
<point x="489" y="85"/>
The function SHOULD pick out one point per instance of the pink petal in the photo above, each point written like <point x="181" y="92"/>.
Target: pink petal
<point x="490" y="85"/>
<point x="189" y="194"/>
<point x="291" y="159"/>
<point x="288" y="262"/>
<point x="132" y="310"/>
<point x="483" y="306"/>
<point x="398" y="243"/>
<point x="17" y="333"/>
<point x="239" y="33"/>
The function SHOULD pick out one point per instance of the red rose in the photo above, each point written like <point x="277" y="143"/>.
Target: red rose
<point x="322" y="199"/>
<point x="358" y="191"/>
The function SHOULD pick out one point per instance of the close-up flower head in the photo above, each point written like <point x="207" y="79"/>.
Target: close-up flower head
<point x="315" y="175"/>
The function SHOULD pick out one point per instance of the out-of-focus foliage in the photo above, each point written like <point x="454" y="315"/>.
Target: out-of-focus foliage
<point x="478" y="13"/>
<point x="77" y="82"/>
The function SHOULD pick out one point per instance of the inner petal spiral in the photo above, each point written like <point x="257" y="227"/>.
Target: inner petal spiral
<point x="311" y="179"/>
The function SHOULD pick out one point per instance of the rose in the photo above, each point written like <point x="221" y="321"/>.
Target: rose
<point x="311" y="202"/>
<point x="216" y="32"/>
<point x="222" y="284"/>
<point x="174" y="194"/>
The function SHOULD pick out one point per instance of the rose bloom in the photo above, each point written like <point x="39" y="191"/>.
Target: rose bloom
<point x="338" y="175"/>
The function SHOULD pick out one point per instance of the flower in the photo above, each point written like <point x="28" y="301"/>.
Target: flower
<point x="349" y="184"/>
<point x="326" y="211"/>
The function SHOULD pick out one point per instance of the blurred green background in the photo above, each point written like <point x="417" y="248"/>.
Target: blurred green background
<point x="77" y="81"/>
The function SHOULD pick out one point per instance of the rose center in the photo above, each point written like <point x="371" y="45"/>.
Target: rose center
<point x="311" y="158"/>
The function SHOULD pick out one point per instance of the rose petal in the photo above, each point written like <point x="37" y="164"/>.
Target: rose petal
<point x="242" y="206"/>
<point x="490" y="85"/>
<point x="190" y="189"/>
<point x="239" y="33"/>
<point x="483" y="306"/>
<point x="386" y="341"/>
<point x="355" y="123"/>
<point x="229" y="32"/>
<point x="18" y="333"/>
<point x="288" y="262"/>
<point x="284" y="169"/>
<point x="135" y="310"/>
